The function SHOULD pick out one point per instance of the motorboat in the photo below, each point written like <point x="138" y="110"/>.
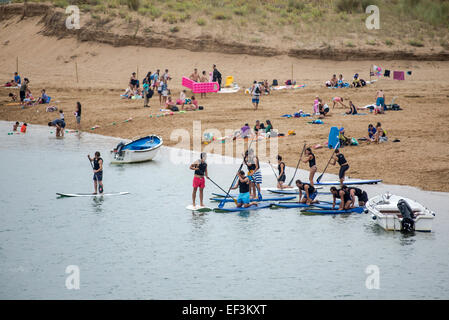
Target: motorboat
<point x="397" y="213"/>
<point x="139" y="150"/>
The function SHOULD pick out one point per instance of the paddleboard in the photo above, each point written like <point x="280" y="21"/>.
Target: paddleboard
<point x="198" y="208"/>
<point x="302" y="205"/>
<point x="235" y="209"/>
<point x="333" y="211"/>
<point x="347" y="182"/>
<point x="332" y="140"/>
<point x="219" y="199"/>
<point x="91" y="194"/>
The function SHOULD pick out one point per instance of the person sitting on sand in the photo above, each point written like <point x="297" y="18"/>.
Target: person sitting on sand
<point x="340" y="81"/>
<point x="14" y="127"/>
<point x="60" y="125"/>
<point x="193" y="104"/>
<point x="268" y="128"/>
<point x="371" y="133"/>
<point x="356" y="81"/>
<point x="43" y="98"/>
<point x="334" y="81"/>
<point x="29" y="99"/>
<point x="353" y="108"/>
<point x="266" y="87"/>
<point x="244" y="132"/>
<point x="316" y="105"/>
<point x="381" y="134"/>
<point x="182" y="98"/>
<point x="243" y="200"/>
<point x="344" y="141"/>
<point x="12" y="96"/>
<point x="309" y="192"/>
<point x="339" y="100"/>
<point x="17" y="81"/>
<point x="323" y="109"/>
<point x="169" y="104"/>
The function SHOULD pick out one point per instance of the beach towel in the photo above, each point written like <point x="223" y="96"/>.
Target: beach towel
<point x="387" y="73"/>
<point x="398" y="75"/>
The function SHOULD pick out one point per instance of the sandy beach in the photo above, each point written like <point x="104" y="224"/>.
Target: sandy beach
<point x="419" y="159"/>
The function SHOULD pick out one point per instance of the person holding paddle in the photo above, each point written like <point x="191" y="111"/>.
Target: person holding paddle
<point x="98" y="171"/>
<point x="310" y="158"/>
<point x="252" y="163"/>
<point x="344" y="166"/>
<point x="243" y="184"/>
<point x="281" y="177"/>
<point x="309" y="192"/>
<point x="200" y="167"/>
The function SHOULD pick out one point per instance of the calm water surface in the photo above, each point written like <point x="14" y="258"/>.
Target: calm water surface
<point x="145" y="245"/>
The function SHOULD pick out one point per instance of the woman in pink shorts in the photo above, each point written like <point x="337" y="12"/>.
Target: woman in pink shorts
<point x="200" y="167"/>
<point x="339" y="100"/>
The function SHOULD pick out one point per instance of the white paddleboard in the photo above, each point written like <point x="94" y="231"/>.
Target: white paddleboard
<point x="91" y="194"/>
<point x="198" y="208"/>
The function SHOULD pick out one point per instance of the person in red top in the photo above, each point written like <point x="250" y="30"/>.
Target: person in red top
<point x="23" y="129"/>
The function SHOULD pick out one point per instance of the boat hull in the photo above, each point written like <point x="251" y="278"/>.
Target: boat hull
<point x="137" y="151"/>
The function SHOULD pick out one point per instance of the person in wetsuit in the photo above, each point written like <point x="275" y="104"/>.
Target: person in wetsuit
<point x="200" y="168"/>
<point x="310" y="158"/>
<point x="309" y="192"/>
<point x="98" y="172"/>
<point x="243" y="184"/>
<point x="344" y="166"/>
<point x="343" y="195"/>
<point x="254" y="173"/>
<point x="361" y="195"/>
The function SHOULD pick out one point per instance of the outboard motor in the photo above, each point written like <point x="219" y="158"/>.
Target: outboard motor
<point x="407" y="223"/>
<point x="119" y="148"/>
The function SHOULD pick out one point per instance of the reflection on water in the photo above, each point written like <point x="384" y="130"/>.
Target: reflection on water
<point x="147" y="245"/>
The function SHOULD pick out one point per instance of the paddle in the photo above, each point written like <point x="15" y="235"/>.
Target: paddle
<point x="222" y="203"/>
<point x="297" y="165"/>
<point x="100" y="188"/>
<point x="222" y="190"/>
<point x="319" y="178"/>
<point x="277" y="179"/>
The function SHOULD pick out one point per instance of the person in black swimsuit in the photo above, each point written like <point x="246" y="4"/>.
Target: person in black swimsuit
<point x="243" y="185"/>
<point x="344" y="166"/>
<point x="254" y="173"/>
<point x="359" y="193"/>
<point x="98" y="172"/>
<point x="310" y="158"/>
<point x="345" y="198"/>
<point x="309" y="192"/>
<point x="281" y="177"/>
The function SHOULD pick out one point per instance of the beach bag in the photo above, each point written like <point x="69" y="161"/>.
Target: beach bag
<point x="257" y="89"/>
<point x="174" y="108"/>
<point x="275" y="82"/>
<point x="200" y="107"/>
<point x="288" y="83"/>
<point x="354" y="142"/>
<point x="150" y="93"/>
<point x="363" y="82"/>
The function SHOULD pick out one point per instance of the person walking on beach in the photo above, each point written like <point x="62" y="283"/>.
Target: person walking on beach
<point x="98" y="172"/>
<point x="23" y="89"/>
<point x="380" y="102"/>
<point x="255" y="94"/>
<point x="200" y="167"/>
<point x="216" y="76"/>
<point x="310" y="158"/>
<point x="344" y="166"/>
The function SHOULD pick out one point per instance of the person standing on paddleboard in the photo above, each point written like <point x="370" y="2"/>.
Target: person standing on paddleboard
<point x="200" y="167"/>
<point x="310" y="158"/>
<point x="98" y="171"/>
<point x="252" y="163"/>
<point x="243" y="185"/>
<point x="345" y="198"/>
<point x="309" y="192"/>
<point x="344" y="166"/>
<point x="361" y="195"/>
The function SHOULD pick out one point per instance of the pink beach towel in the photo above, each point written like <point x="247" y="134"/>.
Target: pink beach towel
<point x="398" y="75"/>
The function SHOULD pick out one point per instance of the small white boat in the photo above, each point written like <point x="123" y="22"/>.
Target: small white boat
<point x="397" y="213"/>
<point x="140" y="150"/>
<point x="235" y="88"/>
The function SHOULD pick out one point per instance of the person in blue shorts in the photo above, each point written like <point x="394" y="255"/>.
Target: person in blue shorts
<point x="309" y="192"/>
<point x="255" y="92"/>
<point x="243" y="199"/>
<point x="60" y="125"/>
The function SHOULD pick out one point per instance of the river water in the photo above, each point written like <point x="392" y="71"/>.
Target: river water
<point x="146" y="245"/>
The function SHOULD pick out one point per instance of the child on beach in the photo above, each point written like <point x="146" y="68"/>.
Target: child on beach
<point x="23" y="129"/>
<point x="78" y="114"/>
<point x="61" y="115"/>
<point x="14" y="127"/>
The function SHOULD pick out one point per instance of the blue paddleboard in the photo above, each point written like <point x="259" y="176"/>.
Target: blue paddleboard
<point x="333" y="138"/>
<point x="333" y="211"/>
<point x="347" y="182"/>
<point x="235" y="209"/>
<point x="219" y="199"/>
